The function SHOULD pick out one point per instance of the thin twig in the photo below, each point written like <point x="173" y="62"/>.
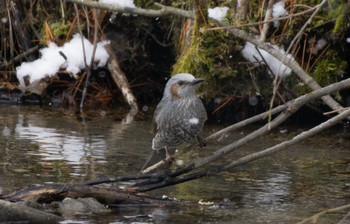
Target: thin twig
<point x="95" y="14"/>
<point x="308" y="80"/>
<point x="163" y="11"/>
<point x="298" y="36"/>
<point x="267" y="21"/>
<point x="20" y="57"/>
<point x="267" y="18"/>
<point x="315" y="217"/>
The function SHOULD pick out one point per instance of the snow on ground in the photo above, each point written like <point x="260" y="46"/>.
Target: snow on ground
<point x="51" y="61"/>
<point x="250" y="53"/>
<point x="218" y="13"/>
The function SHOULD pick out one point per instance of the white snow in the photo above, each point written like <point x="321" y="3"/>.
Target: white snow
<point x="320" y="44"/>
<point x="193" y="120"/>
<point x="120" y="3"/>
<point x="251" y="54"/>
<point x="51" y="61"/>
<point x="218" y="13"/>
<point x="278" y="10"/>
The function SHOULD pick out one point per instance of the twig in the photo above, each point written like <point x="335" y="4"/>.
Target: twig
<point x="267" y="21"/>
<point x="249" y="158"/>
<point x="246" y="122"/>
<point x="95" y="14"/>
<point x="308" y="80"/>
<point x="81" y="34"/>
<point x="335" y="111"/>
<point x="119" y="179"/>
<point x="316" y="216"/>
<point x="20" y="56"/>
<point x="163" y="11"/>
<point x="317" y="8"/>
<point x="293" y="106"/>
<point x="153" y="167"/>
<point x="267" y="17"/>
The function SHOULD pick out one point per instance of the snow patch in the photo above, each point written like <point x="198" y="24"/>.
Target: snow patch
<point x="250" y="53"/>
<point x="320" y="44"/>
<point x="120" y="3"/>
<point x="218" y="13"/>
<point x="51" y="61"/>
<point x="278" y="10"/>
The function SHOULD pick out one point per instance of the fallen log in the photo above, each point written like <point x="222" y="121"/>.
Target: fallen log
<point x="107" y="195"/>
<point x="18" y="213"/>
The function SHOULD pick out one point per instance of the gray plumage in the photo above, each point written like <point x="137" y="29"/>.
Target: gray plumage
<point x="179" y="116"/>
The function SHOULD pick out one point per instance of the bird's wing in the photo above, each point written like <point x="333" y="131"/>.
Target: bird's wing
<point x="155" y="122"/>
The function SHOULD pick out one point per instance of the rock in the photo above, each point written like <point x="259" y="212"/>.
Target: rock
<point x="71" y="207"/>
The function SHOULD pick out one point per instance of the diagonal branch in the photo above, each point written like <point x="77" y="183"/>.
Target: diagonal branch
<point x="308" y="80"/>
<point x="293" y="106"/>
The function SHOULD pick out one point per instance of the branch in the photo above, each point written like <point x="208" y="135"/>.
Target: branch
<point x="308" y="80"/>
<point x="268" y="21"/>
<point x="314" y="218"/>
<point x="163" y="11"/>
<point x="246" y="122"/>
<point x="293" y="106"/>
<point x="90" y="67"/>
<point x="317" y="8"/>
<point x="267" y="18"/>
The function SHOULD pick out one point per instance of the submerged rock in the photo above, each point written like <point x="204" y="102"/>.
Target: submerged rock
<point x="70" y="207"/>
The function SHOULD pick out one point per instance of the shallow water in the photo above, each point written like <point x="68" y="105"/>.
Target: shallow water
<point x="42" y="146"/>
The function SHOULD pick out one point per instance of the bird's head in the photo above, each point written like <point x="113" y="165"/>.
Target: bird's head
<point x="181" y="86"/>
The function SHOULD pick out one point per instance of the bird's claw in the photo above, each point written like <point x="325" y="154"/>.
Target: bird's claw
<point x="202" y="142"/>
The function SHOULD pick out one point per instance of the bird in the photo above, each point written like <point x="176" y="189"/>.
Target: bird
<point x="179" y="117"/>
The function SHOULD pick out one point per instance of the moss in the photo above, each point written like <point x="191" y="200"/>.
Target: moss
<point x="58" y="29"/>
<point x="339" y="11"/>
<point x="210" y="55"/>
<point x="328" y="70"/>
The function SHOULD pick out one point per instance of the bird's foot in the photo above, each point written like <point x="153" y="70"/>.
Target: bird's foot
<point x="168" y="158"/>
<point x="202" y="142"/>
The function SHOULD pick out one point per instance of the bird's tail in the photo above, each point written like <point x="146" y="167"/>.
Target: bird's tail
<point x="156" y="162"/>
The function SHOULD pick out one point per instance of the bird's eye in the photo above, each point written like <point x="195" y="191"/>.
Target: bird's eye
<point x="181" y="82"/>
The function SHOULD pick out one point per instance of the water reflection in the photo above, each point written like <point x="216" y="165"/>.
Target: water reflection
<point x="271" y="190"/>
<point x="40" y="146"/>
<point x="55" y="145"/>
<point x="50" y="142"/>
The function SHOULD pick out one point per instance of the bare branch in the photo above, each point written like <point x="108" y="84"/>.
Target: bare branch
<point x="317" y="8"/>
<point x="267" y="18"/>
<point x="95" y="14"/>
<point x="163" y="11"/>
<point x="315" y="217"/>
<point x="308" y="80"/>
<point x="293" y="106"/>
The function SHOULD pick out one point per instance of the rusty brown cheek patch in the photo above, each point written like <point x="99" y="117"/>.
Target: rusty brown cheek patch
<point x="174" y="91"/>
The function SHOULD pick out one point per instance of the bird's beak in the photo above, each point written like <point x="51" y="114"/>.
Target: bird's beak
<point x="196" y="81"/>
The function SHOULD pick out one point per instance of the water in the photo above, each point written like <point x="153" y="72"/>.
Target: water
<point x="40" y="146"/>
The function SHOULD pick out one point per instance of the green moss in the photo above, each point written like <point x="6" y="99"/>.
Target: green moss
<point x="58" y="29"/>
<point x="339" y="11"/>
<point x="327" y="70"/>
<point x="210" y="55"/>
